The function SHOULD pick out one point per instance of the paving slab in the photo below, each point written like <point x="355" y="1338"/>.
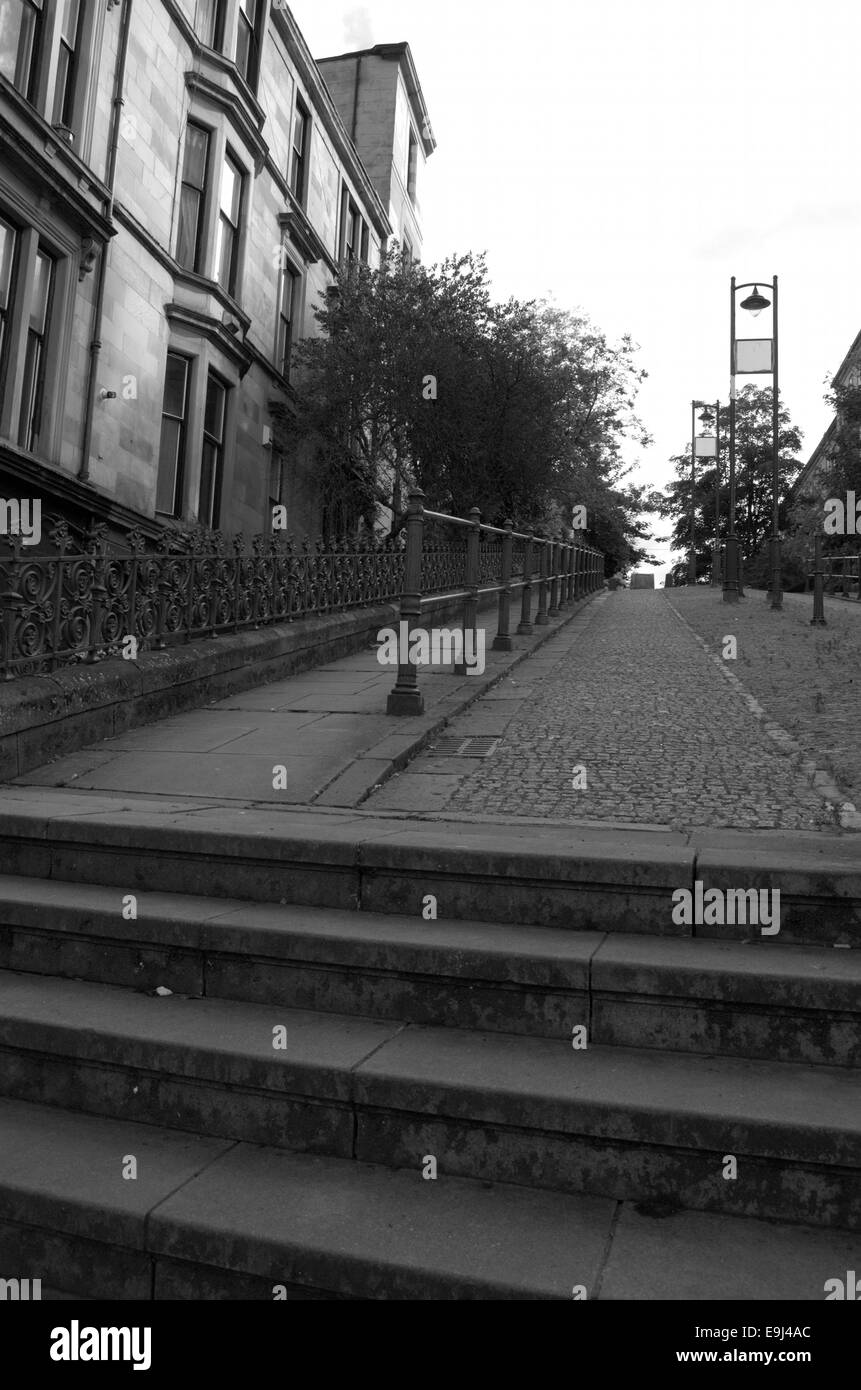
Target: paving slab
<point x="781" y="1110"/>
<point x="67" y="1171"/>
<point x="372" y="1232"/>
<point x="217" y="1040"/>
<point x="245" y="777"/>
<point x="710" y="1258"/>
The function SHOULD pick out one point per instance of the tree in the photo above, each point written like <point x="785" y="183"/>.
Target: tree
<point x="521" y="409"/>
<point x="753" y="516"/>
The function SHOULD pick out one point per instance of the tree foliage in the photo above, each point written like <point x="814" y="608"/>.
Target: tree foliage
<point x="754" y="463"/>
<point x="417" y="377"/>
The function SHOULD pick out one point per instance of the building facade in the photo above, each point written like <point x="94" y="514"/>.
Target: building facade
<point x="178" y="187"/>
<point x="813" y="482"/>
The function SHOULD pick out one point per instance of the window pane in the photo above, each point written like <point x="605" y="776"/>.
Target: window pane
<point x="189" y="221"/>
<point x="250" y="9"/>
<point x="7" y="251"/>
<point x="300" y="131"/>
<point x="62" y="90"/>
<point x="243" y="48"/>
<point x="231" y="188"/>
<point x="196" y="147"/>
<point x="175" y="382"/>
<point x="41" y="289"/>
<point x="69" y="28"/>
<point x="213" y="416"/>
<point x="224" y="255"/>
<point x="208" y="25"/>
<point x="30" y="390"/>
<point x="168" y="466"/>
<point x="288" y="290"/>
<point x="209" y="507"/>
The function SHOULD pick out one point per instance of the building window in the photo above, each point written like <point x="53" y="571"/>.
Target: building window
<point x="20" y="43"/>
<point x="412" y="165"/>
<point x="33" y="381"/>
<point x="354" y="232"/>
<point x="8" y="241"/>
<point x="64" y="90"/>
<point x="210" y="23"/>
<point x="298" y="158"/>
<point x="192" y="197"/>
<point x="227" y="240"/>
<point x="248" y="40"/>
<point x="287" y="310"/>
<point x="174" y="419"/>
<point x="212" y="461"/>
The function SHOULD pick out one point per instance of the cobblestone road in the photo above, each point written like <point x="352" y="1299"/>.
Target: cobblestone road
<point x="663" y="736"/>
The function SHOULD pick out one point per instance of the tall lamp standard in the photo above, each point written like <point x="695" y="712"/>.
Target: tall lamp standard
<point x="708" y="446"/>
<point x="702" y="446"/>
<point x="751" y="357"/>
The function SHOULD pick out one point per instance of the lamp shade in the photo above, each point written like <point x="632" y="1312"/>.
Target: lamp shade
<point x="756" y="302"/>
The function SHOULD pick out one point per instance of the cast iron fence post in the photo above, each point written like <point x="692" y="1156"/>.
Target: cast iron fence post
<point x="11" y="602"/>
<point x="406" y="698"/>
<point x="99" y="595"/>
<point x="818" y="619"/>
<point x="472" y="583"/>
<point x="502" y="641"/>
<point x="526" y="627"/>
<point x="541" y="618"/>
<point x="553" y="610"/>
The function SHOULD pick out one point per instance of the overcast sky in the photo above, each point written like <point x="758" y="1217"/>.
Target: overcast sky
<point x="628" y="157"/>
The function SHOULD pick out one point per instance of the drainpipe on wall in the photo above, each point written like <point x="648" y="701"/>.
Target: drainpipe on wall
<point x="98" y="308"/>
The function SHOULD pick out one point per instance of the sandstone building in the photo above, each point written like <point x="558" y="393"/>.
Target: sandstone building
<point x="179" y="182"/>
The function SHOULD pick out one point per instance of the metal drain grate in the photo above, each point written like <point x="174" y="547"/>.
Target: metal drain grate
<point x="466" y="747"/>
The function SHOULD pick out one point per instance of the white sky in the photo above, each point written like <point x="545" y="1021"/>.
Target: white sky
<point x="630" y="156"/>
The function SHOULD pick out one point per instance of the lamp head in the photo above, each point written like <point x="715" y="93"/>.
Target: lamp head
<point x="755" y="303"/>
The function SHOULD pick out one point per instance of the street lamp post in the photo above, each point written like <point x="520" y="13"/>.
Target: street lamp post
<point x="701" y="447"/>
<point x="707" y="419"/>
<point x="692" y="552"/>
<point x="753" y="356"/>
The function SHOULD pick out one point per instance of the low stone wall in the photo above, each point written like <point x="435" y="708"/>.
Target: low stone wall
<point x="45" y="717"/>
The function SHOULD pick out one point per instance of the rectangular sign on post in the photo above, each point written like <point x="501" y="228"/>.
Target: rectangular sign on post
<point x="754" y="355"/>
<point x="706" y="446"/>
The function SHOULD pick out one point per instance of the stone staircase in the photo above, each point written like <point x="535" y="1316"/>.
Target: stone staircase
<point x="338" y="1102"/>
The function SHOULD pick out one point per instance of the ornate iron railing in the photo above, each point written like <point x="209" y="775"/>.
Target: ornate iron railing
<point x="80" y="598"/>
<point x="479" y="563"/>
<point x="81" y="602"/>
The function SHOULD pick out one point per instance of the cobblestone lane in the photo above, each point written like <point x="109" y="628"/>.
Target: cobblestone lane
<point x="661" y="733"/>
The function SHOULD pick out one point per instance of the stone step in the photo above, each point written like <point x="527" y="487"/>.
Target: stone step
<point x="568" y="877"/>
<point x="208" y="1219"/>
<point x="731" y="998"/>
<point x="642" y="1125"/>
